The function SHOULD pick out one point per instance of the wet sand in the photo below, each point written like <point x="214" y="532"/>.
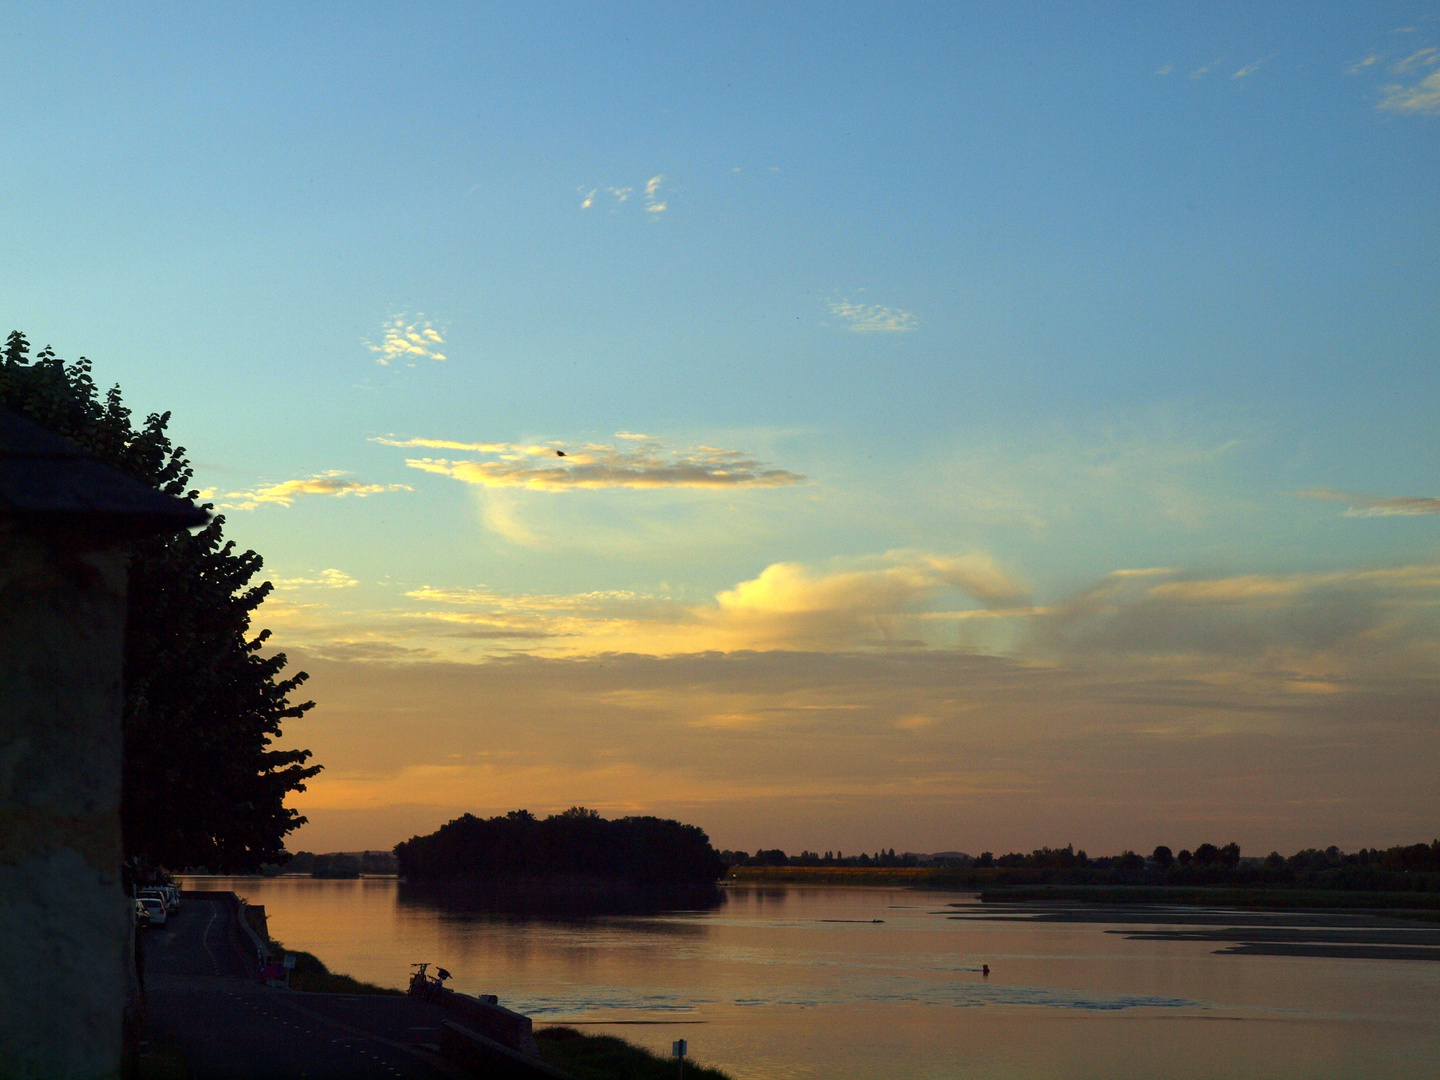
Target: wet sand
<point x="1346" y="935"/>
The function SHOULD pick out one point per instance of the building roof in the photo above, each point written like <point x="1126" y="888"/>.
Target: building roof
<point x="45" y="477"/>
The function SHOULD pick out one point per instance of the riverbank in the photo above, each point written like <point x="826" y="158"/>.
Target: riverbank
<point x="1211" y="885"/>
<point x="577" y="1054"/>
<point x="1423" y="904"/>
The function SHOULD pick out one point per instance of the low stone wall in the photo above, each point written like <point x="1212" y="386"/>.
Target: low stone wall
<point x="493" y="1020"/>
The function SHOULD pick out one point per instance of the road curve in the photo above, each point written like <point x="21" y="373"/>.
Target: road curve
<point x="205" y="1003"/>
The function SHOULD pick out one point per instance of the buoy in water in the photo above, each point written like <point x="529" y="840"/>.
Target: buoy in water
<point x="984" y="969"/>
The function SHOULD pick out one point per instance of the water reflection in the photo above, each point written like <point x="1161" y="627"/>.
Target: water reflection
<point x="554" y="901"/>
<point x="879" y="984"/>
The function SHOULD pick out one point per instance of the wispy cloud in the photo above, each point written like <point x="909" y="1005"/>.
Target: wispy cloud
<point x="874" y="318"/>
<point x="644" y="463"/>
<point x="900" y="599"/>
<point x="284" y="494"/>
<point x="1165" y="69"/>
<point x="328" y="579"/>
<point x="405" y="340"/>
<point x="1421" y="99"/>
<point x="1378" y="505"/>
<point x="653" y="203"/>
<point x="1418" y="59"/>
<point x="1247" y="70"/>
<point x="596" y="600"/>
<point x="1347" y="623"/>
<point x="450" y="444"/>
<point x="1362" y="64"/>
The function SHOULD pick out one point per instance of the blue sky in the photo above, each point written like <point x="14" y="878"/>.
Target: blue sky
<point x="936" y="319"/>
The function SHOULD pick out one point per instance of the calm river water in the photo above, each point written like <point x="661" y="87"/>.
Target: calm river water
<point x="781" y="982"/>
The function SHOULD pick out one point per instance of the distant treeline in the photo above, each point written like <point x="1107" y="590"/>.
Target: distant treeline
<point x="341" y="863"/>
<point x="576" y="844"/>
<point x="1397" y="868"/>
<point x="776" y="857"/>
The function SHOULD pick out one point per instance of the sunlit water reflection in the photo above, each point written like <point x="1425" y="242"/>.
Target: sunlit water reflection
<point x="800" y="982"/>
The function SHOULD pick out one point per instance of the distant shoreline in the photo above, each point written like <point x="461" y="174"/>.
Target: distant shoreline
<point x="1218" y="896"/>
<point x="998" y="885"/>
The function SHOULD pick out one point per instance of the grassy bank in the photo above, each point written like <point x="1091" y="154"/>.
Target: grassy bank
<point x="604" y="1057"/>
<point x="311" y="976"/>
<point x="585" y="1057"/>
<point x="1215" y="897"/>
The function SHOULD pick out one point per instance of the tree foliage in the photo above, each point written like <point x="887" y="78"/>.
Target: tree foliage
<point x="578" y="843"/>
<point x="203" y="704"/>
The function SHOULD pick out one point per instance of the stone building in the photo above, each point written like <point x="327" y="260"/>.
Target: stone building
<point x="65" y="961"/>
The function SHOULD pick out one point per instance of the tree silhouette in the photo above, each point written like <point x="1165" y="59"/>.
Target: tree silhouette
<point x="202" y="785"/>
<point x="579" y="842"/>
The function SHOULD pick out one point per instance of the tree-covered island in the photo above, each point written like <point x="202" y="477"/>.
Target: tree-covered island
<point x="576" y="844"/>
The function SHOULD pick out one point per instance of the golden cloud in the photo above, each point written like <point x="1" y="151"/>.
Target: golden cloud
<point x="1378" y="505"/>
<point x="896" y="599"/>
<point x="930" y="749"/>
<point x="784" y="699"/>
<point x="644" y="463"/>
<point x="328" y="579"/>
<point x="326" y="483"/>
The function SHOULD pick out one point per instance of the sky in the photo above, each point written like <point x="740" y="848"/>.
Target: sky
<point x="840" y="426"/>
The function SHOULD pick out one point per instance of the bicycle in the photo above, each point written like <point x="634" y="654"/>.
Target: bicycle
<point x="426" y="986"/>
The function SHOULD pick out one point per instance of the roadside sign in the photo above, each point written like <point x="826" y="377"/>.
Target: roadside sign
<point x="289" y="960"/>
<point x="678" y="1048"/>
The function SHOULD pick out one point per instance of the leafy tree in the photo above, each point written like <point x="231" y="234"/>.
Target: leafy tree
<point x="576" y="843"/>
<point x="1128" y="860"/>
<point x="1163" y="858"/>
<point x="202" y="708"/>
<point x="1206" y="855"/>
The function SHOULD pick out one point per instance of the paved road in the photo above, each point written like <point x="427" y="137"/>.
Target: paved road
<point x="204" y="1001"/>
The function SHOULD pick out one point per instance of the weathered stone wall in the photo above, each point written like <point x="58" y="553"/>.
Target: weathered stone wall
<point x="66" y="945"/>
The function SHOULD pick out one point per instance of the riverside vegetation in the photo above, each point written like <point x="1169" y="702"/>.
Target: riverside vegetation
<point x="1401" y="876"/>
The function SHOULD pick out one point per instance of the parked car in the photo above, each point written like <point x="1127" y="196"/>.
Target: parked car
<point x="158" y="892"/>
<point x="155" y="908"/>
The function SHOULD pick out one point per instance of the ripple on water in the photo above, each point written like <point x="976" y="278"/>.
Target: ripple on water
<point x="899" y="992"/>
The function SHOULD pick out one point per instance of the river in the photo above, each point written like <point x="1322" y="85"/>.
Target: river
<point x="871" y="983"/>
